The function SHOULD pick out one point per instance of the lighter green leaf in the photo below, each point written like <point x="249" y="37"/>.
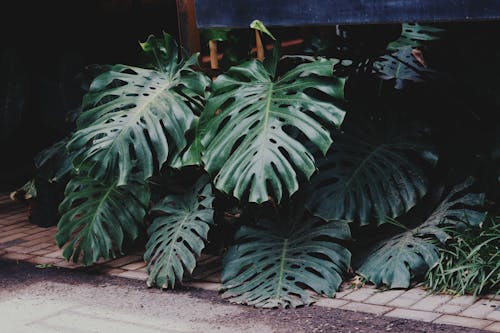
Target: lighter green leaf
<point x="248" y="146"/>
<point x="258" y="25"/>
<point x="177" y="236"/>
<point x="134" y="117"/>
<point x="280" y="264"/>
<point x="97" y="217"/>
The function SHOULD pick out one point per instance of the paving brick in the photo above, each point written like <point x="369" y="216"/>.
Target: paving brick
<point x="368" y="308"/>
<point x="463" y="300"/>
<point x="480" y="309"/>
<point x="11" y="221"/>
<point x="12" y="226"/>
<point x="28" y="231"/>
<point x="12" y="232"/>
<point x="495" y="327"/>
<point x="494" y="315"/>
<point x="55" y="254"/>
<point x="133" y="275"/>
<point x="17" y="235"/>
<point x="16" y="256"/>
<point x="384" y="297"/>
<point x="450" y="309"/>
<point x="462" y="321"/>
<point x="45" y="233"/>
<point x="413" y="314"/>
<point x="114" y="271"/>
<point x="204" y="285"/>
<point x="430" y="303"/>
<point x="492" y="297"/>
<point x="49" y="240"/>
<point x="409" y="298"/>
<point x="37" y="247"/>
<point x="360" y="295"/>
<point x="123" y="261"/>
<point x="16" y="248"/>
<point x="67" y="264"/>
<point x="134" y="266"/>
<point x="42" y="260"/>
<point x="214" y="278"/>
<point x="331" y="302"/>
<point x="43" y="251"/>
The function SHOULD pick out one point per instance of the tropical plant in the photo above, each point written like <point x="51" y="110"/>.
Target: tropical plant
<point x="133" y="117"/>
<point x="249" y="147"/>
<point x="393" y="261"/>
<point x="371" y="173"/>
<point x="281" y="260"/>
<point x="257" y="123"/>
<point x="97" y="217"/>
<point x="178" y="234"/>
<point x="254" y="136"/>
<point x="470" y="262"/>
<point x="404" y="61"/>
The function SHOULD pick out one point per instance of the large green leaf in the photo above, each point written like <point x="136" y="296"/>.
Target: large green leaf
<point x="371" y="172"/>
<point x="280" y="263"/>
<point x="393" y="262"/>
<point x="97" y="217"/>
<point x="134" y="117"/>
<point x="249" y="148"/>
<point x="177" y="236"/>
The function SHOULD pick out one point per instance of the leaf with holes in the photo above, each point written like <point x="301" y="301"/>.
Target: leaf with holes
<point x="281" y="263"/>
<point x="371" y="172"/>
<point x="177" y="235"/>
<point x="394" y="261"/>
<point x="249" y="147"/>
<point x="135" y="118"/>
<point x="97" y="217"/>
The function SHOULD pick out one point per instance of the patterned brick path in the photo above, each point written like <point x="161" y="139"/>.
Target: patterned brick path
<point x="22" y="241"/>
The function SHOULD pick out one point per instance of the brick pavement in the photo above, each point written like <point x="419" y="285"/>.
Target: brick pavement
<point x="22" y="241"/>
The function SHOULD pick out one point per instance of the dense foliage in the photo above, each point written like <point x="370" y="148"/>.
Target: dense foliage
<point x="316" y="153"/>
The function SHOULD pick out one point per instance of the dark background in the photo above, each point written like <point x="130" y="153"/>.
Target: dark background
<point x="45" y="46"/>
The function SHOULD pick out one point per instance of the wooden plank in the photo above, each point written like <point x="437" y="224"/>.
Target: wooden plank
<point x="237" y="13"/>
<point x="188" y="31"/>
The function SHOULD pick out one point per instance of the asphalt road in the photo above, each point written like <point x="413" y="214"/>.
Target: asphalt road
<point x="40" y="300"/>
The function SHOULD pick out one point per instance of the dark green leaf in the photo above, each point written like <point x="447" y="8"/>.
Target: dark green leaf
<point x="280" y="264"/>
<point x="369" y="173"/>
<point x="402" y="67"/>
<point x="177" y="236"/>
<point x="96" y="218"/>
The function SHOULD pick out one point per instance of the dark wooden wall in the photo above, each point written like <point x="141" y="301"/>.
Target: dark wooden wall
<point x="238" y="13"/>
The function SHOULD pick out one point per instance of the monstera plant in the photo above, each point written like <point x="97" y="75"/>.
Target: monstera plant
<point x="265" y="134"/>
<point x="250" y="130"/>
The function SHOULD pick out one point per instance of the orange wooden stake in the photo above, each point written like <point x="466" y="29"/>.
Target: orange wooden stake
<point x="214" y="59"/>
<point x="259" y="46"/>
